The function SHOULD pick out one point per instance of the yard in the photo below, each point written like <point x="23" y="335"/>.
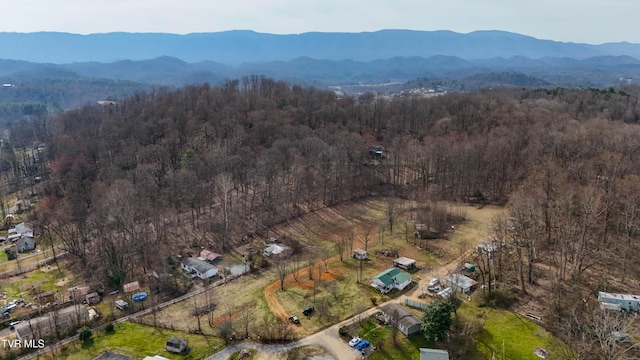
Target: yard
<point x="37" y="281"/>
<point x="337" y="295"/>
<point x="138" y="341"/>
<point x="501" y="330"/>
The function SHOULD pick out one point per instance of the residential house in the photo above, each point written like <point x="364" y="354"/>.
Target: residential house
<point x="359" y="254"/>
<point x="23" y="229"/>
<point x="209" y="256"/>
<point x="433" y="354"/>
<point x="397" y="315"/>
<point x="49" y="324"/>
<point x="613" y="301"/>
<point x="200" y="268"/>
<point x="391" y="279"/>
<point x="404" y="263"/>
<point x="176" y="345"/>
<point x="25" y="244"/>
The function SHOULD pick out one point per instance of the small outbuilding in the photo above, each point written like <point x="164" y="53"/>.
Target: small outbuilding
<point x="92" y="299"/>
<point x="424" y="231"/>
<point x="433" y="354"/>
<point x="275" y="249"/>
<point x="209" y="256"/>
<point x="176" y="345"/>
<point x="359" y="254"/>
<point x="404" y="263"/>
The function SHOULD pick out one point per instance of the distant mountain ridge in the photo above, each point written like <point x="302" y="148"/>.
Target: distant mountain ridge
<point x="243" y="46"/>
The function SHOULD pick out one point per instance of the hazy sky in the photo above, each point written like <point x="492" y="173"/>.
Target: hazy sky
<point x="589" y="21"/>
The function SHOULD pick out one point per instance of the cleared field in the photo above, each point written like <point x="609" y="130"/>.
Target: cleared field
<point x="337" y="295"/>
<point x="138" y="341"/>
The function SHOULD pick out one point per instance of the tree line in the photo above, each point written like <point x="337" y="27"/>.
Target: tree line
<point x="205" y="166"/>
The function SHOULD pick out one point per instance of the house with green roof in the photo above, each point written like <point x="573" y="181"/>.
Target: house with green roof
<point x="391" y="279"/>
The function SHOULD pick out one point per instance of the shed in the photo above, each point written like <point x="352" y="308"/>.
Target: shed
<point x="176" y="345"/>
<point x="433" y="354"/>
<point x="131" y="287"/>
<point x="404" y="263"/>
<point x="359" y="254"/>
<point x="275" y="249"/>
<point x="460" y="282"/>
<point x="209" y="256"/>
<point x="407" y="323"/>
<point x="424" y="231"/>
<point x="92" y="298"/>
<point x="44" y="297"/>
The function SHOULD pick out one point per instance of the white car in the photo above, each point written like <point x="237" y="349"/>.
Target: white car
<point x="354" y="341"/>
<point x="434" y="282"/>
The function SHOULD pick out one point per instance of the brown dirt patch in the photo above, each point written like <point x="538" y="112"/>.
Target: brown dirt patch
<point x="62" y="282"/>
<point x="271" y="290"/>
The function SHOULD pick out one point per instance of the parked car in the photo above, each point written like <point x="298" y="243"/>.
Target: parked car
<point x="294" y="319"/>
<point x="308" y="310"/>
<point x="13" y="324"/>
<point x="354" y="341"/>
<point x="3" y="239"/>
<point x="434" y="282"/>
<point x="363" y="344"/>
<point x="434" y="288"/>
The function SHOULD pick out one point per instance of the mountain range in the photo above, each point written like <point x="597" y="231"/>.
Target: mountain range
<point x="70" y="70"/>
<point x="241" y="46"/>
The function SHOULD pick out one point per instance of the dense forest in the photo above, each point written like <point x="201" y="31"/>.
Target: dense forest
<point x="134" y="182"/>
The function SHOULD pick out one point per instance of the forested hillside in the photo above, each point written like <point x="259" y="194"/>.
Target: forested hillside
<point x="133" y="183"/>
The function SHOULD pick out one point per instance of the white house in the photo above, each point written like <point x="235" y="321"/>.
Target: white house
<point x="406" y="322"/>
<point x="200" y="268"/>
<point x="391" y="279"/>
<point x="460" y="282"/>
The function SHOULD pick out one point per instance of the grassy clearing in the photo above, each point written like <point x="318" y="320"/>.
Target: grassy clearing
<point x="381" y="337"/>
<point x="139" y="341"/>
<point x="520" y="336"/>
<point x="35" y="282"/>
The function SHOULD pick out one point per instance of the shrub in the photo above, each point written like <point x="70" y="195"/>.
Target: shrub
<point x="85" y="334"/>
<point x="110" y="329"/>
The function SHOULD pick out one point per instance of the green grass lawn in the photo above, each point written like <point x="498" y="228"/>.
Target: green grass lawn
<point x="519" y="335"/>
<point x="381" y="337"/>
<point x="41" y="281"/>
<point x="139" y="341"/>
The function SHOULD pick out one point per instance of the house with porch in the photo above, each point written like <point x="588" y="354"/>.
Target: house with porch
<point x="391" y="279"/>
